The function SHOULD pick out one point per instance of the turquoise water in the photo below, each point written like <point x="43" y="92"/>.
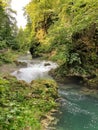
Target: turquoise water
<point x="77" y="111"/>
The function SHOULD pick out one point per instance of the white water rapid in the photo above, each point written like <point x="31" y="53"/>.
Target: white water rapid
<point x="35" y="69"/>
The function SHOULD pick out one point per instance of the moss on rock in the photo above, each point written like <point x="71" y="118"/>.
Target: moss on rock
<point x="93" y="83"/>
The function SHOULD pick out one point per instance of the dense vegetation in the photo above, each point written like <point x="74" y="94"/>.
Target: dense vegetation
<point x="67" y="31"/>
<point x="22" y="105"/>
<point x="8" y="27"/>
<point x="8" y="31"/>
<point x="12" y="39"/>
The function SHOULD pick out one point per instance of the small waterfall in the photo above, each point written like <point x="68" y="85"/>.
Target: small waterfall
<point x="35" y="69"/>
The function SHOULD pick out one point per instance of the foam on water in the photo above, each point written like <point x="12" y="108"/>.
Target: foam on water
<point x="34" y="70"/>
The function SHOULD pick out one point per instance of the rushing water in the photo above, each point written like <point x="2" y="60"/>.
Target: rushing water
<point x="77" y="111"/>
<point x="35" y="69"/>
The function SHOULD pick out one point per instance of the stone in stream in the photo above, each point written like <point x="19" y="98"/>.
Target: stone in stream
<point x="47" y="64"/>
<point x="19" y="63"/>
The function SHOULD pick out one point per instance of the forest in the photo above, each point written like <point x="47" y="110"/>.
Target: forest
<point x="61" y="31"/>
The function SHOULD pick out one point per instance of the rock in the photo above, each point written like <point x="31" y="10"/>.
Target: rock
<point x="58" y="100"/>
<point x="19" y="63"/>
<point x="93" y="83"/>
<point x="49" y="120"/>
<point x="18" y="72"/>
<point x="47" y="64"/>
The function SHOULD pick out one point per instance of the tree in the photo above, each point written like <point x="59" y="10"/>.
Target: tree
<point x="8" y="29"/>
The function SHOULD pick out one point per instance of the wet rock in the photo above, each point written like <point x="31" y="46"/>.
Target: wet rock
<point x="59" y="100"/>
<point x="93" y="83"/>
<point x="47" y="64"/>
<point x="18" y="72"/>
<point x="19" y="63"/>
<point x="89" y="92"/>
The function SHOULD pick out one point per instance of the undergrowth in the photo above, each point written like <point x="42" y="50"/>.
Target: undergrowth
<point x="22" y="105"/>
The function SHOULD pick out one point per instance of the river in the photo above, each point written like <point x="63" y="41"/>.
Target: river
<point x="77" y="110"/>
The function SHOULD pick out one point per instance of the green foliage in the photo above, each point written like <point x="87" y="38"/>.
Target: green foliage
<point x="74" y="58"/>
<point x="8" y="56"/>
<point x="5" y="58"/>
<point x="70" y="31"/>
<point x="44" y="10"/>
<point x="23" y="39"/>
<point x="8" y="29"/>
<point x="8" y="32"/>
<point x="2" y="44"/>
<point x="84" y="13"/>
<point x="22" y="104"/>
